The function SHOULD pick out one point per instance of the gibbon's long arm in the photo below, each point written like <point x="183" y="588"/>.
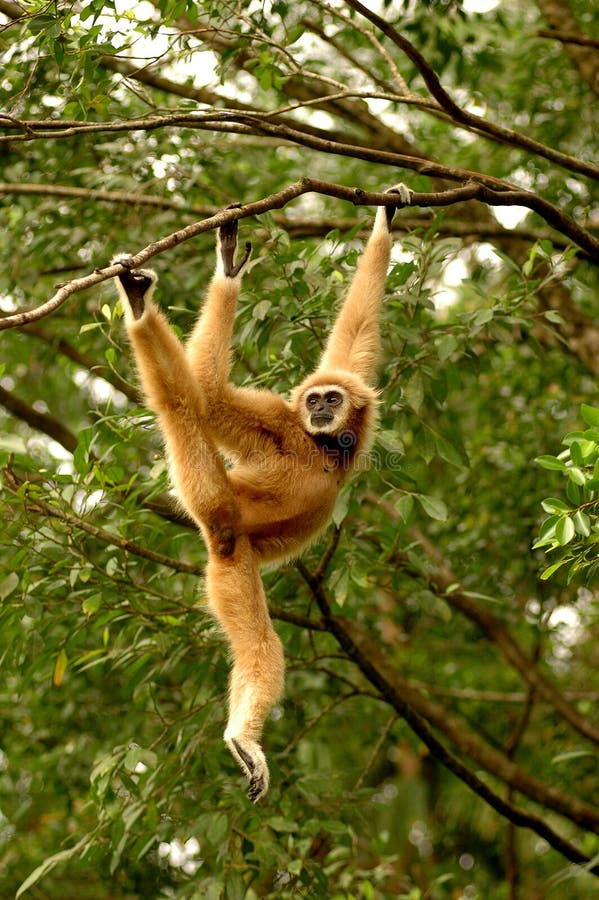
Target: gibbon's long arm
<point x="354" y="341"/>
<point x="209" y="345"/>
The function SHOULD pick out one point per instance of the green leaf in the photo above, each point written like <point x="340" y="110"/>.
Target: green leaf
<point x="573" y="754"/>
<point x="137" y="755"/>
<point x="433" y="507"/>
<point x="8" y="584"/>
<point x="554" y="505"/>
<point x="551" y="462"/>
<point x="404" y="506"/>
<point x="413" y="391"/>
<point x="573" y="493"/>
<point x="261" y="310"/>
<point x="48" y="864"/>
<point x="553" y="316"/>
<point x="217" y="829"/>
<point x="278" y="823"/>
<point x="582" y="523"/>
<point x="341" y="587"/>
<point x="92" y="604"/>
<point x="60" y="668"/>
<point x="81" y="459"/>
<point x="446" y="346"/>
<point x="550" y="570"/>
<point x="564" y="530"/>
<point x="341" y="507"/>
<point x="590" y="414"/>
<point x="482" y="317"/>
<point x="449" y="453"/>
<point x="576" y="475"/>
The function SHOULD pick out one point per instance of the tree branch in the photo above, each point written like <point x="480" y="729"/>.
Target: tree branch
<point x="411" y="703"/>
<point x="478" y="124"/>
<point x="295" y="227"/>
<point x="584" y="58"/>
<point x="444" y="584"/>
<point x="568" y="37"/>
<point x="503" y="195"/>
<point x="38" y="420"/>
<point x="415" y="709"/>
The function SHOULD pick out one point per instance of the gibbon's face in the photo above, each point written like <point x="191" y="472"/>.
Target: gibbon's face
<point x="325" y="408"/>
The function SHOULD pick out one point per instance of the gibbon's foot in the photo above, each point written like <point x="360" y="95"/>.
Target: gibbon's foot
<point x="405" y="194"/>
<point x="136" y="284"/>
<point x="228" y="245"/>
<point x="252" y="761"/>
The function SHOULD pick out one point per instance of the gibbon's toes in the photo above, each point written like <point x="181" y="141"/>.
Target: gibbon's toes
<point x="257" y="788"/>
<point x="405" y="195"/>
<point x="254" y="767"/>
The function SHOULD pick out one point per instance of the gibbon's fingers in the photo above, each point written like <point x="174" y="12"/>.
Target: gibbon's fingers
<point x="227" y="239"/>
<point x="136" y="284"/>
<point x="405" y="195"/>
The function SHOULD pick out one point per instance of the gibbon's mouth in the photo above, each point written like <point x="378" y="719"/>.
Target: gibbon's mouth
<point x="321" y="419"/>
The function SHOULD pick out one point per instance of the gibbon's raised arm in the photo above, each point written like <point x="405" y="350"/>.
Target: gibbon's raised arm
<point x="354" y="341"/>
<point x="209" y="345"/>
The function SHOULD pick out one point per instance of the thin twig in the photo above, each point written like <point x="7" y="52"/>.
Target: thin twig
<point x="375" y="752"/>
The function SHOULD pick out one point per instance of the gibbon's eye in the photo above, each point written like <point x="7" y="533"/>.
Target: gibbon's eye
<point x="312" y="400"/>
<point x="333" y="398"/>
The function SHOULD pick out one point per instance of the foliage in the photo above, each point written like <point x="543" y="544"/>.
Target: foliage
<point x="572" y="526"/>
<point x="440" y="683"/>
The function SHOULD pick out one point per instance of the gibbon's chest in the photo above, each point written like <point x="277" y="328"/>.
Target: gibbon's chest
<point x="318" y="476"/>
<point x="308" y="476"/>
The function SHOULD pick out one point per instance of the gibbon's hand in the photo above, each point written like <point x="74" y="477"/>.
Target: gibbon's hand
<point x="228" y="245"/>
<point x="405" y="194"/>
<point x="136" y="284"/>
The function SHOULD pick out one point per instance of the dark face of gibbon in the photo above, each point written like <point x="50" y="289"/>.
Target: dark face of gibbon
<point x="326" y="409"/>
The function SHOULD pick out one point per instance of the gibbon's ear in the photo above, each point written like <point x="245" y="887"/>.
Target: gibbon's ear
<point x="135" y="286"/>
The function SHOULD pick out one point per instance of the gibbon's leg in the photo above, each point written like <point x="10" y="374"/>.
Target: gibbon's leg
<point x="237" y="599"/>
<point x="353" y="343"/>
<point x="234" y="587"/>
<point x="209" y="345"/>
<point x="195" y="467"/>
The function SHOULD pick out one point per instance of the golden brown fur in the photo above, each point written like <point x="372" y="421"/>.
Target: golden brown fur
<point x="286" y="474"/>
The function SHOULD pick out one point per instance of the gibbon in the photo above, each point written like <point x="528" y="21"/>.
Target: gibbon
<point x="290" y="456"/>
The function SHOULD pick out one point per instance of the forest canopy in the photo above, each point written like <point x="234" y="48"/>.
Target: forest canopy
<point x="438" y="733"/>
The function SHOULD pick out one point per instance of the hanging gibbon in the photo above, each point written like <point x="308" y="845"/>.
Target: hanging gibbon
<point x="291" y="457"/>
